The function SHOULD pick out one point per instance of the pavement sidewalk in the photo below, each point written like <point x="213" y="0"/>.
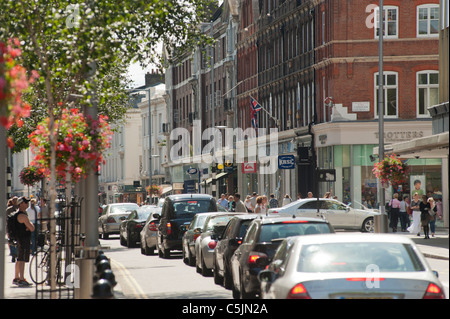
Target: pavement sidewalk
<point x="436" y="247"/>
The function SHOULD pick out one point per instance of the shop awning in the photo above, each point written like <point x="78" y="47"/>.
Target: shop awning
<point x="218" y="176"/>
<point x="434" y="146"/>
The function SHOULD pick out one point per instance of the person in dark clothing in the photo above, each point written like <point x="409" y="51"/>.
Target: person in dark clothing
<point x="425" y="216"/>
<point x="23" y="237"/>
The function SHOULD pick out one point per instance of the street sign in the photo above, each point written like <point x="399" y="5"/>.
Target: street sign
<point x="189" y="187"/>
<point x="192" y="171"/>
<point x="286" y="162"/>
<point x="326" y="175"/>
<point x="248" y="167"/>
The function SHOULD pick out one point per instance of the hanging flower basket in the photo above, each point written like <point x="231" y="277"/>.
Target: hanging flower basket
<point x="80" y="144"/>
<point x="31" y="175"/>
<point x="13" y="82"/>
<point x="154" y="190"/>
<point x="391" y="170"/>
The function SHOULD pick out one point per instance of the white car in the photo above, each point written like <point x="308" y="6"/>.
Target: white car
<point x="349" y="266"/>
<point x="338" y="214"/>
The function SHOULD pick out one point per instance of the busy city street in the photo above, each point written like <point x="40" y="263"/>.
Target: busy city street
<point x="224" y="149"/>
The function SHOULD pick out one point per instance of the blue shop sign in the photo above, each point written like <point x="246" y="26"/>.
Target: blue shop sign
<point x="286" y="162"/>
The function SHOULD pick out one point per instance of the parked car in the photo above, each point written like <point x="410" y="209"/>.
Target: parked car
<point x="348" y="266"/>
<point x="177" y="212"/>
<point x="205" y="243"/>
<point x="259" y="244"/>
<point x="228" y="242"/>
<point x="149" y="232"/>
<point x="337" y="213"/>
<point x="193" y="231"/>
<point x="130" y="228"/>
<point x="112" y="216"/>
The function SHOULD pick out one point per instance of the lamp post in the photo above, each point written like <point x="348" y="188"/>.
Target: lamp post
<point x="382" y="227"/>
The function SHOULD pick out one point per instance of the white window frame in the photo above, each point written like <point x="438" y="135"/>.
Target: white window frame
<point x="427" y="86"/>
<point x="385" y="87"/>
<point x="428" y="7"/>
<point x="385" y="26"/>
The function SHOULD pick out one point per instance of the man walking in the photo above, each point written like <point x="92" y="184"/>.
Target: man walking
<point x="24" y="228"/>
<point x="240" y="206"/>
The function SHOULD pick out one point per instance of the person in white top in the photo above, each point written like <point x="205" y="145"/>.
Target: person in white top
<point x="415" y="206"/>
<point x="33" y="211"/>
<point x="261" y="205"/>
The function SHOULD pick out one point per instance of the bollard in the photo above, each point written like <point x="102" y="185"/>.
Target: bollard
<point x="109" y="275"/>
<point x="102" y="265"/>
<point x="102" y="290"/>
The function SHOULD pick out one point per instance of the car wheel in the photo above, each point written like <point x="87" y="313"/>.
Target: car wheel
<point x="191" y="258"/>
<point x="218" y="280"/>
<point x="368" y="225"/>
<point x="227" y="278"/>
<point x="205" y="271"/>
<point x="105" y="235"/>
<point x="130" y="243"/>
<point x="122" y="241"/>
<point x="244" y="294"/>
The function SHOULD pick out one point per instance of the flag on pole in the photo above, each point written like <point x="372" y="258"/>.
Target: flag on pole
<point x="254" y="109"/>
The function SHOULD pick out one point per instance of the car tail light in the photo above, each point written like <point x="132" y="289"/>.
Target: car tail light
<point x="295" y="222"/>
<point x="255" y="257"/>
<point x="110" y="220"/>
<point x="169" y="228"/>
<point x="137" y="226"/>
<point x="275" y="212"/>
<point x="433" y="292"/>
<point x="212" y="244"/>
<point x="298" y="292"/>
<point x="196" y="236"/>
<point x="152" y="227"/>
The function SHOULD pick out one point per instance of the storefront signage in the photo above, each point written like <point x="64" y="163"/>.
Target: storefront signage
<point x="398" y="136"/>
<point x="248" y="167"/>
<point x="192" y="171"/>
<point x="286" y="162"/>
<point x="360" y="106"/>
<point x="326" y="175"/>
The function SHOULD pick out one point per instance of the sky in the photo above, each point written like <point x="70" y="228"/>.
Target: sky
<point x="137" y="74"/>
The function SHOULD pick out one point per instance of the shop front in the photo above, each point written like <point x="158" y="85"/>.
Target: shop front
<point x="348" y="147"/>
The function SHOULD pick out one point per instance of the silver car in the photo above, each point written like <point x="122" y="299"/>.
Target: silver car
<point x="112" y="216"/>
<point x="350" y="266"/>
<point x="338" y="214"/>
<point x="207" y="241"/>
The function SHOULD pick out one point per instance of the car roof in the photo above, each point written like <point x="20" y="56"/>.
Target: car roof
<point x="280" y="219"/>
<point x="354" y="238"/>
<point x="122" y="204"/>
<point x="189" y="196"/>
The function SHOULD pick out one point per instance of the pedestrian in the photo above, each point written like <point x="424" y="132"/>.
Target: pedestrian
<point x="33" y="211"/>
<point x="408" y="210"/>
<point x="403" y="214"/>
<point x="432" y="211"/>
<point x="11" y="209"/>
<point x="231" y="204"/>
<point x="327" y="195"/>
<point x="240" y="206"/>
<point x="425" y="216"/>
<point x="286" y="200"/>
<point x="310" y="195"/>
<point x="415" y="208"/>
<point x="395" y="211"/>
<point x="248" y="204"/>
<point x="24" y="229"/>
<point x="223" y="201"/>
<point x="260" y="207"/>
<point x="253" y="200"/>
<point x="299" y="196"/>
<point x="273" y="203"/>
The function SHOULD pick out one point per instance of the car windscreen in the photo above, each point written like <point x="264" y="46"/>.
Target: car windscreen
<point x="122" y="209"/>
<point x="217" y="220"/>
<point x="358" y="257"/>
<point x="270" y="232"/>
<point x="188" y="208"/>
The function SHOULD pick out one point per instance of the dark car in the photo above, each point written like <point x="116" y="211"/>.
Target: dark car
<point x="193" y="231"/>
<point x="177" y="212"/>
<point x="130" y="228"/>
<point x="149" y="232"/>
<point x="259" y="245"/>
<point x="228" y="242"/>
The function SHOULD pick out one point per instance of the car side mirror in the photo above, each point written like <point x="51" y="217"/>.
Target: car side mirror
<point x="158" y="216"/>
<point x="435" y="273"/>
<point x="266" y="276"/>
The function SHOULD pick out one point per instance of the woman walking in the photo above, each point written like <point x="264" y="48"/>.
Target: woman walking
<point x="415" y="207"/>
